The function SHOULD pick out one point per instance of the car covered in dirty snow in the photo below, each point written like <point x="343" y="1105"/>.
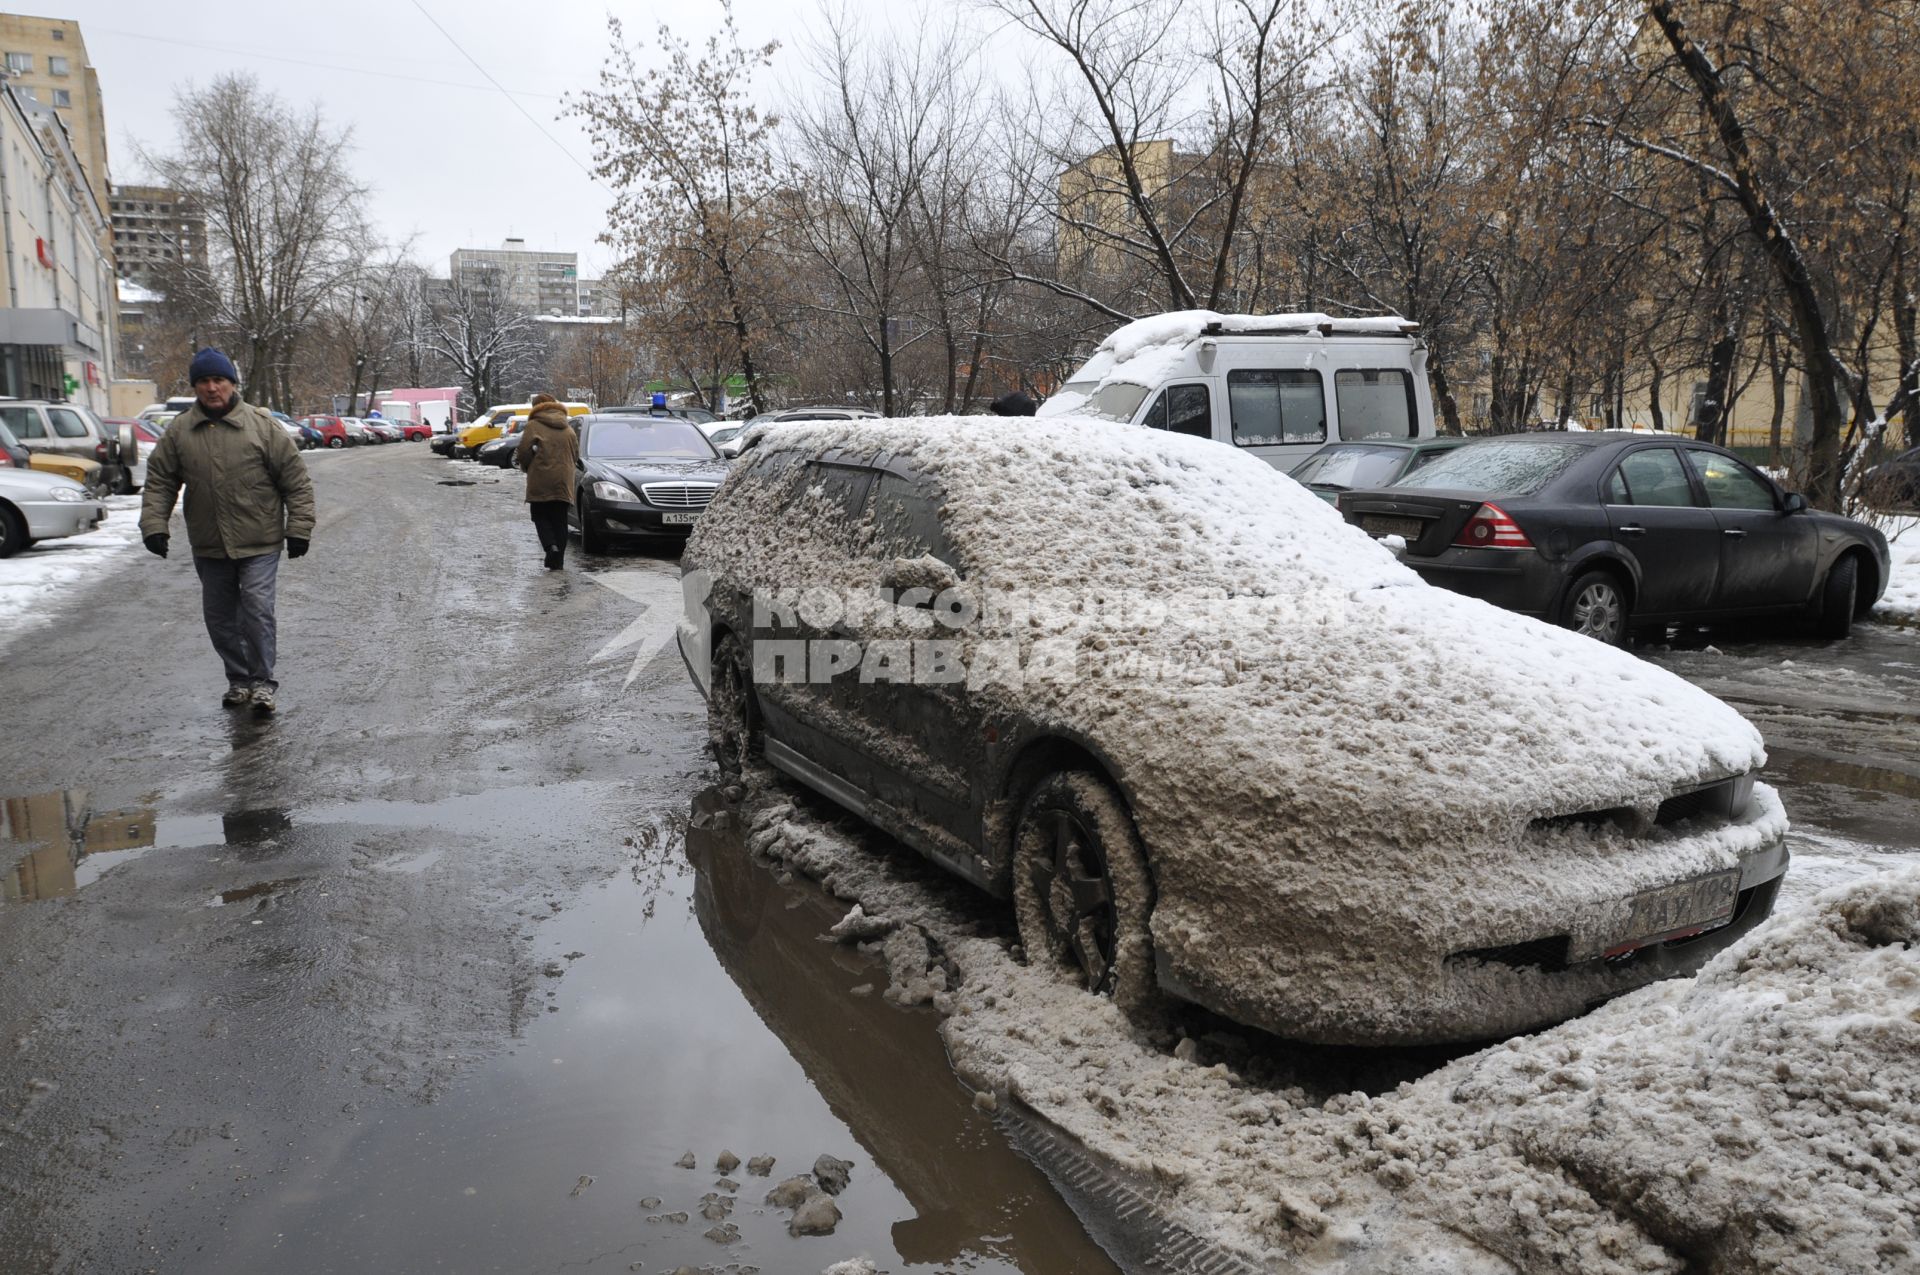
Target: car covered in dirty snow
<point x="1210" y="740"/>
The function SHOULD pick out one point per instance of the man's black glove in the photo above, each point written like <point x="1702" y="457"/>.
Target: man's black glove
<point x="157" y="544"/>
<point x="297" y="547"/>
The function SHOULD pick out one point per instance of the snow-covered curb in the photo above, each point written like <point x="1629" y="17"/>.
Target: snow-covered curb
<point x="1761" y="1116"/>
<point x="1902" y="598"/>
<point x="35" y="582"/>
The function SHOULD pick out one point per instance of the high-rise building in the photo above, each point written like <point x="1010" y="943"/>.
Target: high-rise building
<point x="537" y="282"/>
<point x="46" y="62"/>
<point x="153" y="228"/>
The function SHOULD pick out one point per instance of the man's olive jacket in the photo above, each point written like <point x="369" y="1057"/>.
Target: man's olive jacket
<point x="247" y="488"/>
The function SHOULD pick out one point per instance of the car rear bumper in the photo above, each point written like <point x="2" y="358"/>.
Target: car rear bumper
<point x="1512" y="579"/>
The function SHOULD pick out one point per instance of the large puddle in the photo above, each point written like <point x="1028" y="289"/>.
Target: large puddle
<point x="691" y="1006"/>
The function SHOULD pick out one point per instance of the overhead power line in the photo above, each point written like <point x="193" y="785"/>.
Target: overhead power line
<point x="509" y="96"/>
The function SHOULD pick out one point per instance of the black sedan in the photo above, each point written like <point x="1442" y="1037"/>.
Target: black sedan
<point x="1612" y="532"/>
<point x="499" y="453"/>
<point x="1894" y="483"/>
<point x="641" y="477"/>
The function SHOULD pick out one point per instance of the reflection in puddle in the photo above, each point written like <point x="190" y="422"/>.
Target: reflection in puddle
<point x="69" y="845"/>
<point x="262" y="890"/>
<point x="880" y="1068"/>
<point x="67" y="830"/>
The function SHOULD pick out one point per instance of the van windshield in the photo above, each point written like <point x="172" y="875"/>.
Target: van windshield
<point x="1116" y="402"/>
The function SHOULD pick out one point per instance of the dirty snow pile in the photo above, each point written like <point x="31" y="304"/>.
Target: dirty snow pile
<point x="1764" y="1116"/>
<point x="1308" y="674"/>
<point x="36" y="582"/>
<point x="1902" y="598"/>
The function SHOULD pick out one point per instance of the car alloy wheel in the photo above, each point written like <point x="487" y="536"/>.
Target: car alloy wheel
<point x="1596" y="607"/>
<point x="1080" y="888"/>
<point x="733" y="718"/>
<point x="336" y="442"/>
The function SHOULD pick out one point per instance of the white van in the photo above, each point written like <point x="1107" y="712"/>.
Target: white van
<point x="1277" y="385"/>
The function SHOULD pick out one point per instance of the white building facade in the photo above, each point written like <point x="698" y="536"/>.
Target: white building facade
<point x="59" y="300"/>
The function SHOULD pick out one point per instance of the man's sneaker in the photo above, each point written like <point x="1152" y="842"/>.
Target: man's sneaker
<point x="262" y="700"/>
<point x="236" y="696"/>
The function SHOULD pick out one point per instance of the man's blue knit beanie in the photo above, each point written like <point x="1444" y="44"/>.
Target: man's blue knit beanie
<point x="211" y="362"/>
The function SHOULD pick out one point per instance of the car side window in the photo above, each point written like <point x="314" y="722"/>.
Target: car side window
<point x="24" y="422"/>
<point x="906" y="520"/>
<point x="829" y="497"/>
<point x="1156" y="417"/>
<point x="1729" y="484"/>
<point x="1654" y="476"/>
<point x="1374" y="402"/>
<point x="1274" y="405"/>
<point x="1190" y="411"/>
<point x="68" y="423"/>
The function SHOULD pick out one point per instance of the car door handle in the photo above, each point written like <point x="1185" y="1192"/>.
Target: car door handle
<point x="1633" y="529"/>
<point x="1734" y="532"/>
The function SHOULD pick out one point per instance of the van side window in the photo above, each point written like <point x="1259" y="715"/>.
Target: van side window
<point x="1271" y="405"/>
<point x="1374" y="403"/>
<point x="1184" y="409"/>
<point x="23" y="421"/>
<point x="1190" y="410"/>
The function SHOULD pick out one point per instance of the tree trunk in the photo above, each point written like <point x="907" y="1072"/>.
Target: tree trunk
<point x="1443" y="393"/>
<point x="1822" y="486"/>
<point x="1777" y="369"/>
<point x="1653" y="393"/>
<point x="1710" y="425"/>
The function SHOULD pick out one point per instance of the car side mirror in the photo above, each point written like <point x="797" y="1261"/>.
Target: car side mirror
<point x="1795" y="503"/>
<point x="929" y="574"/>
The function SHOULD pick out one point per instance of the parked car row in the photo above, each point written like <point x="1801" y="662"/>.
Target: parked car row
<point x="69" y="439"/>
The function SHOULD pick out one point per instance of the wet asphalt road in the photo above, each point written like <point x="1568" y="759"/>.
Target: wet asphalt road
<point x="376" y="984"/>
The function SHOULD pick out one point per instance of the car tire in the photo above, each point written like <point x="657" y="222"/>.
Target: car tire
<point x="1081" y="890"/>
<point x="1837" y="598"/>
<point x="336" y="442"/>
<point x="591" y="541"/>
<point x="1596" y="605"/>
<point x="733" y="715"/>
<point x="13" y="533"/>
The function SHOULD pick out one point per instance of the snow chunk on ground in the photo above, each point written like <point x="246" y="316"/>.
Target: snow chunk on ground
<point x="37" y="583"/>
<point x="1902" y="598"/>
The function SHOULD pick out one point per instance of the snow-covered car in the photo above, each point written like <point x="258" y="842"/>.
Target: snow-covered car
<point x="37" y="506"/>
<point x="1212" y="741"/>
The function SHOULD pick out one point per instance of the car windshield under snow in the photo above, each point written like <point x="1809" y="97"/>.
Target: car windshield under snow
<point x="629" y="437"/>
<point x="1348" y="467"/>
<point x="1497" y="468"/>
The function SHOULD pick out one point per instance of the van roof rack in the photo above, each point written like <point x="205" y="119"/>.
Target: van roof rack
<point x="1312" y="324"/>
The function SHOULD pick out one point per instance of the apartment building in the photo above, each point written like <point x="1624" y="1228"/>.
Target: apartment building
<point x="545" y="283"/>
<point x="57" y="325"/>
<point x="46" y="62"/>
<point x="153" y="228"/>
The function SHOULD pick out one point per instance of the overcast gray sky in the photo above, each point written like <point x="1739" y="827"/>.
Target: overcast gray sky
<point x="451" y="160"/>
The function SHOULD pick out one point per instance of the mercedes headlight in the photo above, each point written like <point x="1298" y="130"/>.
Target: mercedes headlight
<point x="614" y="491"/>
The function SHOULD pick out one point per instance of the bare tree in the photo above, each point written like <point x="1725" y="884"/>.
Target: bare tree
<point x="284" y="224"/>
<point x="490" y="345"/>
<point x="690" y="157"/>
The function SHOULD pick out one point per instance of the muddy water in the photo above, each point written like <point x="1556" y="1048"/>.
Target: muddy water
<point x="694" y="1008"/>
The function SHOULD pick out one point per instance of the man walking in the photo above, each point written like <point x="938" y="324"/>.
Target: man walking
<point x="247" y="494"/>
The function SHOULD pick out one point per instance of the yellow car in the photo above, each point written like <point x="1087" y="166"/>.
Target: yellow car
<point x="84" y="472"/>
<point x="494" y="424"/>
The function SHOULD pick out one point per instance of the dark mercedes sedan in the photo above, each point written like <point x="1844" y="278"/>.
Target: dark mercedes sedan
<point x="1612" y="532"/>
<point x="641" y="477"/>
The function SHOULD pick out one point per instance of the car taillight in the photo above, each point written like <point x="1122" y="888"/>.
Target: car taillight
<point x="1490" y="528"/>
<point x="6" y="461"/>
<point x="100" y="452"/>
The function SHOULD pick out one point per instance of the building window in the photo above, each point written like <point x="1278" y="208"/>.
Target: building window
<point x="20" y="63"/>
<point x="62" y="97"/>
<point x="56" y="66"/>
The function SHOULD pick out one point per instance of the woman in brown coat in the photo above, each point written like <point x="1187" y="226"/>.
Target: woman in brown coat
<point x="549" y="451"/>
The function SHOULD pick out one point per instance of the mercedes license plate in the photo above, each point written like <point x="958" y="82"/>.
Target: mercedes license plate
<point x="678" y="519"/>
<point x="1383" y="525"/>
<point x="1670" y="911"/>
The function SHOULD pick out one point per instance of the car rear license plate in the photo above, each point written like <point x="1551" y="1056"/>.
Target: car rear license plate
<point x="1384" y="525"/>
<point x="678" y="519"/>
<point x="1685" y="907"/>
